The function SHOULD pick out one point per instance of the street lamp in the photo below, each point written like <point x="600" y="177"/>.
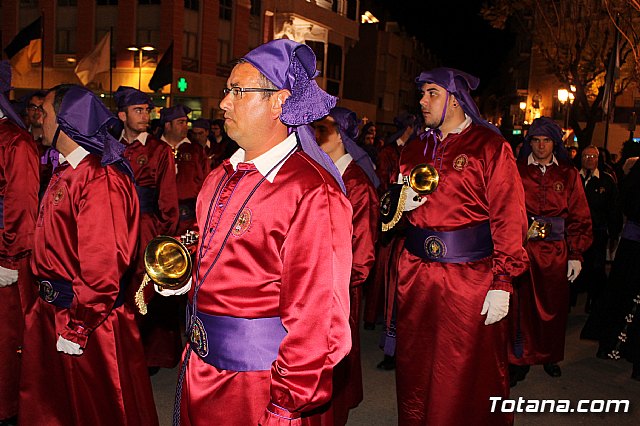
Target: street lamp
<point x="140" y="49"/>
<point x="563" y="97"/>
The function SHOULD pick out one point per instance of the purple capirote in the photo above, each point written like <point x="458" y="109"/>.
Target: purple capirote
<point x="5" y="86"/>
<point x="459" y="84"/>
<point x="347" y="122"/>
<point x="86" y="120"/>
<point x="126" y="96"/>
<point x="545" y="126"/>
<point x="292" y="66"/>
<point x="174" y="112"/>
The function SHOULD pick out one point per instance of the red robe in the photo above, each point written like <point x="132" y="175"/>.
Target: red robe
<point x="448" y="361"/>
<point x="347" y="377"/>
<point x="541" y="297"/>
<point x="288" y="255"/>
<point x="192" y="167"/>
<point x="19" y="190"/>
<point x="154" y="167"/>
<point x="86" y="233"/>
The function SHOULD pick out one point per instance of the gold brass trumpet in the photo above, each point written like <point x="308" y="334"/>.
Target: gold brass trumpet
<point x="423" y="179"/>
<point x="167" y="262"/>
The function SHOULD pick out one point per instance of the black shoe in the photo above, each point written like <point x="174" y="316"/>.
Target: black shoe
<point x="517" y="373"/>
<point x="369" y="325"/>
<point x="552" y="369"/>
<point x="388" y="363"/>
<point x="153" y="371"/>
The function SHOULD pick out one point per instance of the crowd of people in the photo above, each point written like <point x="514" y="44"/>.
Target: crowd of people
<point x="309" y="224"/>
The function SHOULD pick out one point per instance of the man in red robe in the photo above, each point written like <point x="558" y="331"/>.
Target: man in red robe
<point x="154" y="171"/>
<point x="335" y="135"/>
<point x="83" y="362"/>
<point x="269" y="306"/>
<point x="555" y="197"/>
<point x="192" y="165"/>
<point x="463" y="247"/>
<point x="18" y="209"/>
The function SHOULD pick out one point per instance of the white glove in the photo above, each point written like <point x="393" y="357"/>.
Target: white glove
<point x="7" y="276"/>
<point x="413" y="200"/>
<point x="178" y="292"/>
<point x="573" y="270"/>
<point x="68" y="347"/>
<point x="496" y="306"/>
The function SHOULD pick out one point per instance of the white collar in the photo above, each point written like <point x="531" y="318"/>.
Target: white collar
<point x="185" y="140"/>
<point x="595" y="173"/>
<point x="343" y="162"/>
<point x="533" y="161"/>
<point x="75" y="157"/>
<point x="270" y="160"/>
<point x="1" y="113"/>
<point x="466" y="123"/>
<point x="142" y="138"/>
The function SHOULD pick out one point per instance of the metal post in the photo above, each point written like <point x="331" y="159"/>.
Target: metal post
<point x="139" y="67"/>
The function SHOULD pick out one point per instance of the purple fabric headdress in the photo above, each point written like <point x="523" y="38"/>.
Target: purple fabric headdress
<point x="545" y="126"/>
<point x="292" y="66"/>
<point x="173" y="113"/>
<point x="126" y="96"/>
<point x="347" y="122"/>
<point x="5" y="86"/>
<point x="459" y="84"/>
<point x="86" y="120"/>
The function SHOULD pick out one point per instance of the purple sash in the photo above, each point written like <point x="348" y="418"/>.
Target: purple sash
<point x="557" y="228"/>
<point x="148" y="198"/>
<point x="236" y="344"/>
<point x="187" y="209"/>
<point x="631" y="231"/>
<point x="459" y="246"/>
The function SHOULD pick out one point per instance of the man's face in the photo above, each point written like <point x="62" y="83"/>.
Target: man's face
<point x="136" y="117"/>
<point x="372" y="131"/>
<point x="216" y="130"/>
<point x="432" y="104"/>
<point x="200" y="135"/>
<point x="369" y="139"/>
<point x="49" y="124"/>
<point x="178" y="128"/>
<point x="34" y="111"/>
<point x="573" y="152"/>
<point x="245" y="114"/>
<point x="327" y="134"/>
<point x="542" y="148"/>
<point x="590" y="158"/>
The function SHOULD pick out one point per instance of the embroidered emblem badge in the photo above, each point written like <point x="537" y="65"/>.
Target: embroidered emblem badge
<point x="558" y="186"/>
<point x="58" y="195"/>
<point x="460" y="162"/>
<point x="243" y="223"/>
<point x="185" y="156"/>
<point x="435" y="247"/>
<point x="199" y="338"/>
<point x="142" y="160"/>
<point x="47" y="291"/>
<point x="385" y="204"/>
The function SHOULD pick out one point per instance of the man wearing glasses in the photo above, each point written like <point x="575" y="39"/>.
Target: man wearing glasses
<point x="154" y="171"/>
<point x="269" y="305"/>
<point x="559" y="236"/>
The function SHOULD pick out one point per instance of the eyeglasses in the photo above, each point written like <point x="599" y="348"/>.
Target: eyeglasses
<point x="238" y="91"/>
<point x="33" y="107"/>
<point x="587" y="156"/>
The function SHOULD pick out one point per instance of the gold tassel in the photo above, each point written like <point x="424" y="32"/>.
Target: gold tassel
<point x="139" y="298"/>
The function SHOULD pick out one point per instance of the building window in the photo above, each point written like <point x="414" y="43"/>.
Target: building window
<point x="352" y="9"/>
<point x="224" y="51"/>
<point x="28" y="3"/>
<point x="148" y="1"/>
<point x="107" y="2"/>
<point x="334" y="62"/>
<point x="192" y="5"/>
<point x="67" y="2"/>
<point x="255" y="7"/>
<point x="190" y="45"/>
<point x="226" y="9"/>
<point x="66" y="40"/>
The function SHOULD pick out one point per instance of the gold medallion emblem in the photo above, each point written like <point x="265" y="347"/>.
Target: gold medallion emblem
<point x="47" y="291"/>
<point x="558" y="186"/>
<point x="142" y="160"/>
<point x="186" y="156"/>
<point x="243" y="223"/>
<point x="385" y="204"/>
<point x="435" y="247"/>
<point x="58" y="195"/>
<point x="198" y="338"/>
<point x="460" y="162"/>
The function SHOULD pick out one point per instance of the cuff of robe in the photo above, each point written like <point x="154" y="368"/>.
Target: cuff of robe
<point x="275" y="415"/>
<point x="574" y="255"/>
<point x="76" y="333"/>
<point x="502" y="282"/>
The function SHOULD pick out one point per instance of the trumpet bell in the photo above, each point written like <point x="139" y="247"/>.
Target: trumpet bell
<point x="424" y="179"/>
<point x="167" y="262"/>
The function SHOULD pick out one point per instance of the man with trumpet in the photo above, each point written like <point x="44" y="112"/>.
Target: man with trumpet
<point x="463" y="247"/>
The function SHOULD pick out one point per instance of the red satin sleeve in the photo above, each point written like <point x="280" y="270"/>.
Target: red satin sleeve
<point x="107" y="227"/>
<point x="314" y="303"/>
<point x="578" y="223"/>
<point x="21" y="183"/>
<point x="508" y="218"/>
<point x="167" y="191"/>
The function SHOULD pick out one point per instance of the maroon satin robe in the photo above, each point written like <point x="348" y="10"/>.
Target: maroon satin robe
<point x="154" y="167"/>
<point x="448" y="361"/>
<point x="288" y="255"/>
<point x="86" y="233"/>
<point x="541" y="298"/>
<point x="347" y="377"/>
<point x="19" y="188"/>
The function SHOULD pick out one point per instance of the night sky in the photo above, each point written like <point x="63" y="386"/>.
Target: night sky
<point x="455" y="32"/>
